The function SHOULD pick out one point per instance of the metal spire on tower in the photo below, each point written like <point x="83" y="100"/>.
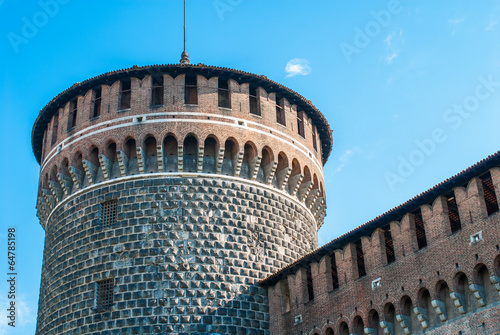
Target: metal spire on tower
<point x="185" y="55"/>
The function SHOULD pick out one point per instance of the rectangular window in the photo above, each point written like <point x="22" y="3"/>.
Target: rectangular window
<point x="108" y="212"/>
<point x="360" y="259"/>
<point x="335" y="276"/>
<point x="310" y="289"/>
<point x="254" y="100"/>
<point x="286" y="295"/>
<point x="389" y="245"/>
<point x="224" y="96"/>
<point x="280" y="112"/>
<point x="453" y="215"/>
<point x="96" y="108"/>
<point x="489" y="194"/>
<point x="191" y="89"/>
<point x="73" y="109"/>
<point x="104" y="293"/>
<point x="125" y="94"/>
<point x="420" y="229"/>
<point x="157" y="91"/>
<point x="55" y="126"/>
<point x="300" y="123"/>
<point x="315" y="140"/>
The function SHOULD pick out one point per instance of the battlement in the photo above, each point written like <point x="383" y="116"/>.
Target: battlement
<point x="418" y="267"/>
<point x="174" y="120"/>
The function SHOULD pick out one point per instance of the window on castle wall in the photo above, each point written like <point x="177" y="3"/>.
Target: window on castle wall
<point x="191" y="89"/>
<point x="389" y="245"/>
<point x="453" y="215"/>
<point x="360" y="259"/>
<point x="310" y="287"/>
<point x="157" y="90"/>
<point x="300" y="123"/>
<point x="335" y="276"/>
<point x="253" y="100"/>
<point x="109" y="213"/>
<point x="96" y="103"/>
<point x="55" y="126"/>
<point x="490" y="197"/>
<point x="73" y="109"/>
<point x="315" y="140"/>
<point x="224" y="94"/>
<point x="125" y="94"/>
<point x="420" y="229"/>
<point x="104" y="294"/>
<point x="280" y="111"/>
<point x="286" y="295"/>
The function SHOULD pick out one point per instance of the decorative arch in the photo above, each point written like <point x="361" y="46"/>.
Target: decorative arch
<point x="409" y="322"/>
<point x="373" y="323"/>
<point x="231" y="149"/>
<point x="329" y="331"/>
<point x="295" y="177"/>
<point x="77" y="160"/>
<point x="266" y="165"/>
<point x="425" y="308"/>
<point x="170" y="153"/>
<point x="389" y="321"/>
<point x="94" y="156"/>
<point x="481" y="277"/>
<point x="443" y="299"/>
<point x="150" y="151"/>
<point x="190" y="153"/>
<point x="462" y="295"/>
<point x="211" y="147"/>
<point x="129" y="148"/>
<point x="343" y="328"/>
<point x="53" y="173"/>
<point x="110" y="151"/>
<point x="64" y="168"/>
<point x="358" y="325"/>
<point x="249" y="155"/>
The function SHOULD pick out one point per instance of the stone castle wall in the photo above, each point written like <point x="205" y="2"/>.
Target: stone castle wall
<point x="378" y="284"/>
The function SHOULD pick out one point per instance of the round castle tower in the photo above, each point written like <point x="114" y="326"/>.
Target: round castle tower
<point x="166" y="192"/>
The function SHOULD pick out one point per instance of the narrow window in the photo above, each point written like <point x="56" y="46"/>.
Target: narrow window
<point x="73" y="109"/>
<point x="335" y="276"/>
<point x="360" y="259"/>
<point x="453" y="215"/>
<point x="157" y="91"/>
<point x="191" y="90"/>
<point x="489" y="194"/>
<point x="224" y="96"/>
<point x="254" y="101"/>
<point x="108" y="212"/>
<point x="286" y="295"/>
<point x="315" y="140"/>
<point x="125" y="94"/>
<point x="300" y="123"/>
<point x="96" y="109"/>
<point x="310" y="289"/>
<point x="55" y="126"/>
<point x="389" y="245"/>
<point x="104" y="293"/>
<point x="420" y="229"/>
<point x="280" y="111"/>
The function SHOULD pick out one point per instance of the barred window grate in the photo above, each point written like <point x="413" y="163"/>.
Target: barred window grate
<point x="108" y="213"/>
<point x="104" y="294"/>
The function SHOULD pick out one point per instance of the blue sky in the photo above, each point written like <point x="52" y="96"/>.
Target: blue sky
<point x="411" y="90"/>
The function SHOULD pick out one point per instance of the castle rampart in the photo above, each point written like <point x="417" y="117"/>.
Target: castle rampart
<point x="431" y="264"/>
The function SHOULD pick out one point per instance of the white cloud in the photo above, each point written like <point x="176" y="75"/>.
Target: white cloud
<point x="453" y="24"/>
<point x="345" y="158"/>
<point x="394" y="43"/>
<point x="297" y="66"/>
<point x="491" y="25"/>
<point x="391" y="57"/>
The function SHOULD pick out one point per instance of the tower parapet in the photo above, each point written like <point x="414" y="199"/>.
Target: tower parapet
<point x="167" y="191"/>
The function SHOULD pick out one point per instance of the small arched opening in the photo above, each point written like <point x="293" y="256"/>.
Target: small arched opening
<point x="210" y="154"/>
<point x="190" y="156"/>
<point x="170" y="153"/>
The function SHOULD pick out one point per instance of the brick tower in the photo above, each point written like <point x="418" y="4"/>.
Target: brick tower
<point x="166" y="192"/>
